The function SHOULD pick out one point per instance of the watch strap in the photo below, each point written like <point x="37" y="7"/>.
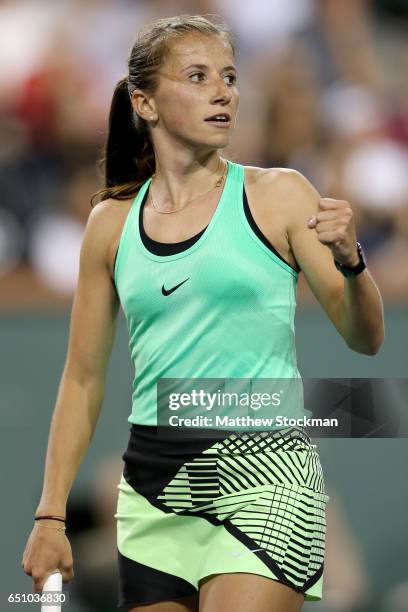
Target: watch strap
<point x="354" y="270"/>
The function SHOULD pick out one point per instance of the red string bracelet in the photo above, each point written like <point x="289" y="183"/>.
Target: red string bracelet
<point x="56" y="518"/>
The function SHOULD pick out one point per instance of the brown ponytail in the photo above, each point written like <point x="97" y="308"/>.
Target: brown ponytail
<point x="128" y="158"/>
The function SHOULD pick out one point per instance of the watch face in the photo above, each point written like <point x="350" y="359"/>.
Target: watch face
<point x="361" y="253"/>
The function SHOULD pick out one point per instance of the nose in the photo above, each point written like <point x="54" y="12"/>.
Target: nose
<point x="222" y="92"/>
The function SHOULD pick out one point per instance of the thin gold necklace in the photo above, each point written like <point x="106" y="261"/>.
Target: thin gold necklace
<point x="168" y="212"/>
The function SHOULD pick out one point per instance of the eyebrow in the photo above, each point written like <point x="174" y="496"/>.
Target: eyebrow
<point x="230" y="67"/>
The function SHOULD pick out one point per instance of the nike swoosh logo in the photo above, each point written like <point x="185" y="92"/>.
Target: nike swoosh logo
<point x="242" y="554"/>
<point x="168" y="291"/>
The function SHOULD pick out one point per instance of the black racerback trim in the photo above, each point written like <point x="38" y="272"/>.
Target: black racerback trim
<point x="258" y="232"/>
<point x="171" y="248"/>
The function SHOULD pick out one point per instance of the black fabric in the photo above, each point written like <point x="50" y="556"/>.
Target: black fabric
<point x="164" y="248"/>
<point x="153" y="458"/>
<point x="140" y="584"/>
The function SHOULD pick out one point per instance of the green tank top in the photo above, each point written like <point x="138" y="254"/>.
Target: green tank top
<point x="222" y="308"/>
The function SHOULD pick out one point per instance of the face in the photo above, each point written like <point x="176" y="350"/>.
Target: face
<point x="197" y="80"/>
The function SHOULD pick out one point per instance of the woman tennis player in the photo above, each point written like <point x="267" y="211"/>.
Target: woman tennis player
<point x="203" y="254"/>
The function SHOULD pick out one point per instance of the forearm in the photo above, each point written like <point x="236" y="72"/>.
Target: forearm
<point x="72" y="426"/>
<point x="361" y="315"/>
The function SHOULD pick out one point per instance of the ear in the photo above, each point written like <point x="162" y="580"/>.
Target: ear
<point x="144" y="105"/>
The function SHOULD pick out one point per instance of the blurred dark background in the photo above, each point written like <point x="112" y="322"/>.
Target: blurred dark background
<point x="324" y="90"/>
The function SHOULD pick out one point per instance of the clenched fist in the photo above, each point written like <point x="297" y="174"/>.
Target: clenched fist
<point x="335" y="227"/>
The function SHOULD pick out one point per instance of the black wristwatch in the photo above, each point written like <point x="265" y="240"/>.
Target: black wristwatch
<point x="354" y="271"/>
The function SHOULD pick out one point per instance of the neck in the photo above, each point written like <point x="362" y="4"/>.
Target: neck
<point x="180" y="178"/>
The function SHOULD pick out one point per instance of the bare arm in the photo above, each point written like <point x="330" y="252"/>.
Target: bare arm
<point x="81" y="390"/>
<point x="80" y="394"/>
<point x="361" y="315"/>
<point x="354" y="305"/>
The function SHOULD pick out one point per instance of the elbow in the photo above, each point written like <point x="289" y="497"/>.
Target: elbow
<point x="378" y="341"/>
<point x="371" y="348"/>
<point x="365" y="350"/>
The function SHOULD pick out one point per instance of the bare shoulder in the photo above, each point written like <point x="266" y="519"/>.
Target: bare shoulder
<point x="275" y="197"/>
<point x="107" y="218"/>
<point x="110" y="211"/>
<point x="286" y="182"/>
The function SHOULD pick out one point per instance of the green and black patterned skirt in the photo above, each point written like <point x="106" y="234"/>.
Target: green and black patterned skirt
<point x="193" y="507"/>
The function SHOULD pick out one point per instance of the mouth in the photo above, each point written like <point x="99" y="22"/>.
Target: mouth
<point x="222" y="120"/>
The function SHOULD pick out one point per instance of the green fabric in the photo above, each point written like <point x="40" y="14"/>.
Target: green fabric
<point x="192" y="548"/>
<point x="232" y="318"/>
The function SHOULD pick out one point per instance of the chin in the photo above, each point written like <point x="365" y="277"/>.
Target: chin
<point x="217" y="145"/>
<point x="211" y="144"/>
<point x="219" y="140"/>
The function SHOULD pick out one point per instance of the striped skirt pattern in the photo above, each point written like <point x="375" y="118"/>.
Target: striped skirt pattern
<point x="242" y="502"/>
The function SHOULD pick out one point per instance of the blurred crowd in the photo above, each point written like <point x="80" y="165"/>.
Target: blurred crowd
<point x="324" y="90"/>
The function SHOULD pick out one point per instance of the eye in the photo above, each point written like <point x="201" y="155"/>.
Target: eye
<point x="233" y="78"/>
<point x="196" y="74"/>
